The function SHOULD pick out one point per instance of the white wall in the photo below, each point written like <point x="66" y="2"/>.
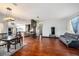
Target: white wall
<point x="60" y="27"/>
<point x="1" y="27"/>
<point x="5" y="24"/>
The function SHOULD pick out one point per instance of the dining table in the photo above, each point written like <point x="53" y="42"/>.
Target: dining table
<point x="9" y="40"/>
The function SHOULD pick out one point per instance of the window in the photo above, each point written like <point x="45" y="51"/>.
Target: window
<point x="75" y="24"/>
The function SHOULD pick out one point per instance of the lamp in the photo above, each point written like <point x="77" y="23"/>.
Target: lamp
<point x="9" y="16"/>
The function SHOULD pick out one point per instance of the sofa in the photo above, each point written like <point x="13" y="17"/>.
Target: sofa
<point x="70" y="40"/>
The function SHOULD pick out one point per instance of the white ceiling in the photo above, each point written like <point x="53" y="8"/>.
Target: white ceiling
<point x="43" y="10"/>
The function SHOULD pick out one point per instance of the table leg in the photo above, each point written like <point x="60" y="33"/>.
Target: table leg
<point x="8" y="46"/>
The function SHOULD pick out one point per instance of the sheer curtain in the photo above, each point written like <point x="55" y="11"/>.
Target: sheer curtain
<point x="69" y="27"/>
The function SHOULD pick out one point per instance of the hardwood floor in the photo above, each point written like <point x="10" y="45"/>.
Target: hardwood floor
<point x="45" y="47"/>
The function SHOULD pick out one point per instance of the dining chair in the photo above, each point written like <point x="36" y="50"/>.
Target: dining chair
<point x="16" y="40"/>
<point x="19" y="38"/>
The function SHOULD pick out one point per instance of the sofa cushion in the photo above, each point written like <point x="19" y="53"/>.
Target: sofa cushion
<point x="69" y="35"/>
<point x="62" y="36"/>
<point x="74" y="44"/>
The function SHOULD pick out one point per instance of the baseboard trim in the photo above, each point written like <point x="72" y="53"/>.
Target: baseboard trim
<point x="49" y="37"/>
<point x="45" y="37"/>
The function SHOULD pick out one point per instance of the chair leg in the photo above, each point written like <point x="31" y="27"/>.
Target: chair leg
<point x="21" y="41"/>
<point x="15" y="46"/>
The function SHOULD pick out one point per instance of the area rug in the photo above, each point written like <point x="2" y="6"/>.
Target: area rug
<point x="3" y="50"/>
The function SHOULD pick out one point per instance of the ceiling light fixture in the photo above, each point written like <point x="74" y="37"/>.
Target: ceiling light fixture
<point x="9" y="16"/>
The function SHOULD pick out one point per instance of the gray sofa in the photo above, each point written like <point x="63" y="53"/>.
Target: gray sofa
<point x="71" y="40"/>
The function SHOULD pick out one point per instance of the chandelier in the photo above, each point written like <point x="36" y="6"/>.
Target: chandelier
<point x="9" y="16"/>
